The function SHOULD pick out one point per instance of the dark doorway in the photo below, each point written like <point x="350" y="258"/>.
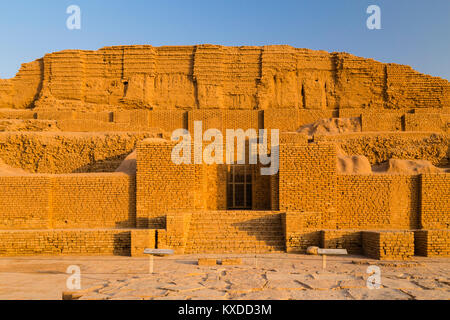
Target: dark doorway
<point x="239" y="187"/>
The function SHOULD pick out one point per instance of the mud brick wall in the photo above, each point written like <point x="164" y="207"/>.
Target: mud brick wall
<point x="274" y="192"/>
<point x="67" y="201"/>
<point x="225" y="119"/>
<point x="158" y="77"/>
<point x="429" y="119"/>
<point x="299" y="241"/>
<point x="211" y="119"/>
<point x="405" y="201"/>
<point x="17" y="114"/>
<point x="282" y="119"/>
<point x="91" y="125"/>
<point x="105" y="116"/>
<point x="382" y="146"/>
<point x="168" y="120"/>
<point x="215" y="186"/>
<point x="388" y="245"/>
<point x="381" y="121"/>
<point x="342" y="239"/>
<point x="213" y="76"/>
<point x="65" y="242"/>
<point x="443" y="110"/>
<point x="306" y="219"/>
<point x="21" y="91"/>
<point x="260" y="190"/>
<point x="176" y="233"/>
<point x="446" y="120"/>
<point x="142" y="239"/>
<point x="432" y="243"/>
<point x="363" y="201"/>
<point x="62" y="152"/>
<point x="161" y="185"/>
<point x="51" y="114"/>
<point x="124" y="117"/>
<point x="406" y="89"/>
<point x="357" y="112"/>
<point x="105" y="200"/>
<point x="24" y="202"/>
<point x="298" y="236"/>
<point x="28" y="125"/>
<point x="309" y="116"/>
<point x="435" y="204"/>
<point x="136" y="117"/>
<point x="307" y="177"/>
<point x="290" y="119"/>
<point x="293" y="138"/>
<point x="117" y="120"/>
<point x="377" y="202"/>
<point x="435" y="122"/>
<point x="121" y="120"/>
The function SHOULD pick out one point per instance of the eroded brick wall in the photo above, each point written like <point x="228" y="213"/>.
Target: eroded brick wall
<point x="434" y="122"/>
<point x="62" y="152"/>
<point x="213" y="76"/>
<point x="25" y="202"/>
<point x="290" y="119"/>
<point x="342" y="239"/>
<point x="378" y="201"/>
<point x="382" y="146"/>
<point x="432" y="243"/>
<point x="299" y="234"/>
<point x="65" y="242"/>
<point x="435" y="204"/>
<point x="307" y="177"/>
<point x="225" y="119"/>
<point x="384" y="245"/>
<point x="163" y="186"/>
<point x="306" y="190"/>
<point x="93" y="200"/>
<point x="142" y="239"/>
<point x="67" y="201"/>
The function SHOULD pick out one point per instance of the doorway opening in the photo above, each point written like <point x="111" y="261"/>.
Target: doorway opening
<point x="239" y="187"/>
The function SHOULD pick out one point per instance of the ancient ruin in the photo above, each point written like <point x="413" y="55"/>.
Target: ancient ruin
<point x="85" y="153"/>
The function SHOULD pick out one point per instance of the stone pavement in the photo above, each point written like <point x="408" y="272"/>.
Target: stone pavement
<point x="269" y="276"/>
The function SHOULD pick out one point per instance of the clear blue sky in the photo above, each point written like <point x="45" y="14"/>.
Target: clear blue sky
<point x="414" y="32"/>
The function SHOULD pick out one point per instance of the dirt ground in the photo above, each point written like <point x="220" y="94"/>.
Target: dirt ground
<point x="265" y="276"/>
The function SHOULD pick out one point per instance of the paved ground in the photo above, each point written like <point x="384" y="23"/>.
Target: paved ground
<point x="269" y="276"/>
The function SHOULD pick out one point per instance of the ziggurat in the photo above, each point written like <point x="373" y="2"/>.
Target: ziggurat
<point x="363" y="156"/>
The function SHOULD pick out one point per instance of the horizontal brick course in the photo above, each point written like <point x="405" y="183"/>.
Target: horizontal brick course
<point x="432" y="243"/>
<point x="388" y="245"/>
<point x="90" y="200"/>
<point x="65" y="242"/>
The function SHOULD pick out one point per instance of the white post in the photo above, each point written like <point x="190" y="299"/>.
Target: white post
<point x="150" y="266"/>
<point x="256" y="259"/>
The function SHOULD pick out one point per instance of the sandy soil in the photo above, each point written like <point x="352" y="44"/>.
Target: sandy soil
<point x="269" y="276"/>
